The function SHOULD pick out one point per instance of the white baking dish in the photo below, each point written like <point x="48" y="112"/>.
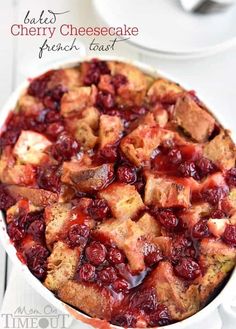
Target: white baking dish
<point x="224" y="296"/>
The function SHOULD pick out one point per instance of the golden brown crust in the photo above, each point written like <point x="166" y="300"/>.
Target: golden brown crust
<point x="89" y="298"/>
<point x="198" y="123"/>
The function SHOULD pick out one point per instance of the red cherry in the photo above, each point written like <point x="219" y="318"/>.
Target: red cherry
<point x="15" y="233"/>
<point x="231" y="177"/>
<point x="187" y="269"/>
<point x="120" y="285"/>
<point x="36" y="257"/>
<point x="115" y="256"/>
<point x="214" y="195"/>
<point x="160" y="317"/>
<point x="145" y="300"/>
<point x="119" y="80"/>
<point x="105" y="100"/>
<point x="168" y="219"/>
<point x="107" y="275"/>
<point x="99" y="210"/>
<point x="200" y="229"/>
<point x="229" y="235"/>
<point x="126" y="174"/>
<point x="153" y="257"/>
<point x="205" y="166"/>
<point x="96" y="253"/>
<point x="87" y="272"/>
<point x="78" y="235"/>
<point x="175" y="156"/>
<point x="188" y="169"/>
<point x="36" y="229"/>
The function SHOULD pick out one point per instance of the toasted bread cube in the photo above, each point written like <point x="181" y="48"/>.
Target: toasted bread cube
<point x="217" y="259"/>
<point x="130" y="237"/>
<point x="88" y="179"/>
<point x="163" y="89"/>
<point x="221" y="151"/>
<point x="106" y="83"/>
<point x="160" y="116"/>
<point x="166" y="192"/>
<point x="126" y="234"/>
<point x="29" y="105"/>
<point x="141" y="142"/>
<point x="149" y="225"/>
<point x="56" y="218"/>
<point x="110" y="130"/>
<point x="61" y="265"/>
<point x="19" y="174"/>
<point x="197" y="122"/>
<point x="39" y="197"/>
<point x="67" y="78"/>
<point x="229" y="202"/>
<point x="123" y="200"/>
<point x="91" y="116"/>
<point x="88" y="297"/>
<point x="191" y="216"/>
<point x="30" y="147"/>
<point x="133" y="92"/>
<point x="180" y="300"/>
<point x="164" y="243"/>
<point x="85" y="135"/>
<point x="77" y="99"/>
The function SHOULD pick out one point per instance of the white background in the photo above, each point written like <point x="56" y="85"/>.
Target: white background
<point x="213" y="77"/>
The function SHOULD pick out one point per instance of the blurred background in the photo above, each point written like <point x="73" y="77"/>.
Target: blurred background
<point x="197" y="50"/>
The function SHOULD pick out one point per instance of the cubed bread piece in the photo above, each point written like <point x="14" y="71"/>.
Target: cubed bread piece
<point x="91" y="116"/>
<point x="123" y="200"/>
<point x="77" y="99"/>
<point x="30" y="147"/>
<point x="166" y="192"/>
<point x="217" y="259"/>
<point x="141" y="142"/>
<point x="192" y="215"/>
<point x="88" y="179"/>
<point x="181" y="301"/>
<point x="56" y="217"/>
<point x="67" y="78"/>
<point x="221" y="151"/>
<point x="39" y="197"/>
<point x="149" y="225"/>
<point x="229" y="202"/>
<point x="126" y="234"/>
<point x="164" y="243"/>
<point x="88" y="297"/>
<point x="69" y="168"/>
<point x="106" y="83"/>
<point x="160" y="116"/>
<point x="110" y="130"/>
<point x="61" y="265"/>
<point x="164" y="90"/>
<point x="134" y="90"/>
<point x="197" y="122"/>
<point x="29" y="105"/>
<point x="130" y="237"/>
<point x="84" y="134"/>
<point x="16" y="173"/>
